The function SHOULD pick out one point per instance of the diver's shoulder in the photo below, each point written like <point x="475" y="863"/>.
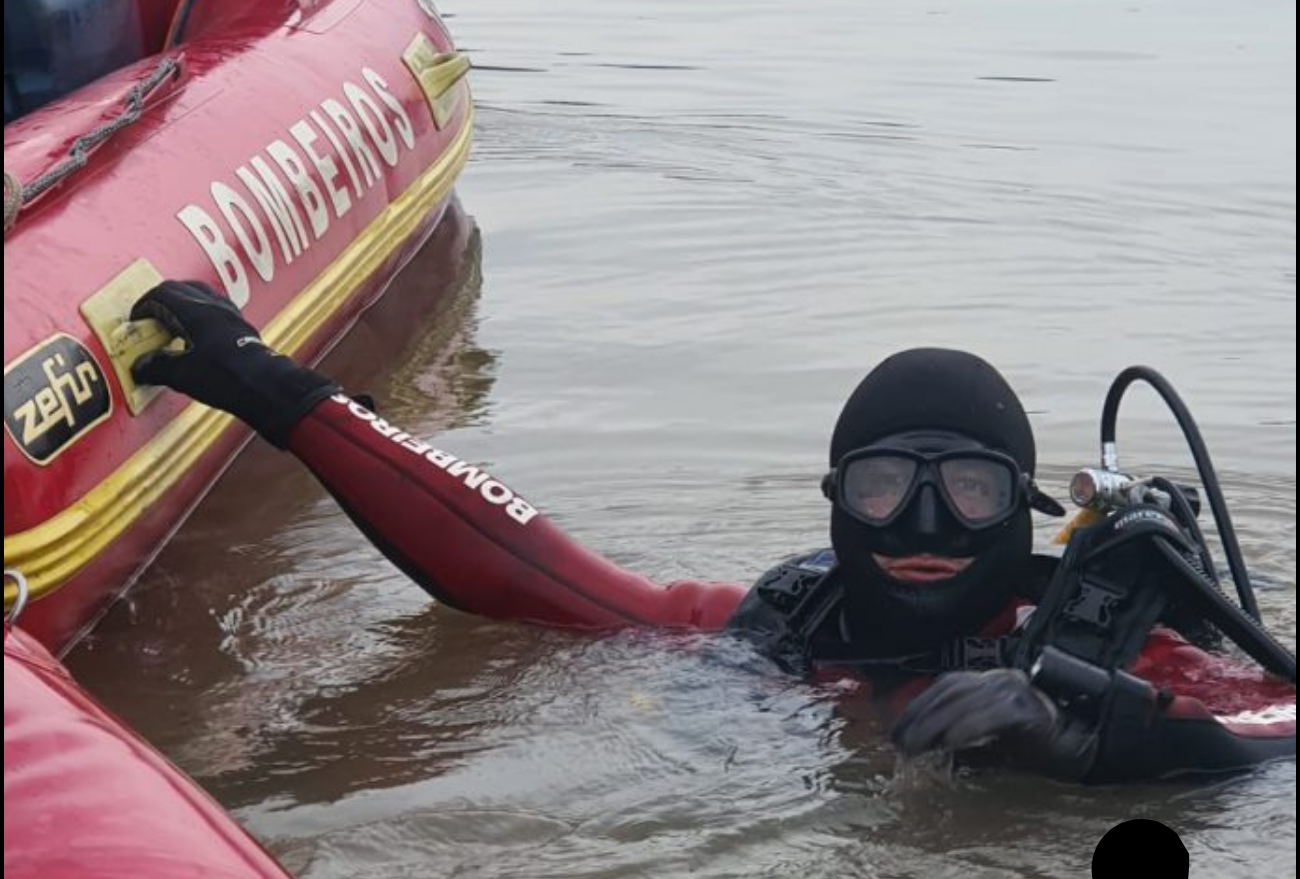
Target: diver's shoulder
<point x="779" y="589"/>
<point x="795" y="571"/>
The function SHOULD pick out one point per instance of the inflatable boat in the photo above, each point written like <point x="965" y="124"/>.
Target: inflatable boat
<point x="85" y="798"/>
<point x="292" y="154"/>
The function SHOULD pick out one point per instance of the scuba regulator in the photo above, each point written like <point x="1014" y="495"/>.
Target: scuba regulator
<point x="1136" y="557"/>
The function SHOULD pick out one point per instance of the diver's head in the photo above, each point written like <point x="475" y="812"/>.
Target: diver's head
<point x="931" y="482"/>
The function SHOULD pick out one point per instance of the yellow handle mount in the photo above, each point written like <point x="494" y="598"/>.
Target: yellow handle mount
<point x="107" y="311"/>
<point x="437" y="73"/>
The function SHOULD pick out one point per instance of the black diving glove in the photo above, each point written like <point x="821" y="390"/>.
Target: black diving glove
<point x="1000" y="710"/>
<point x="225" y="364"/>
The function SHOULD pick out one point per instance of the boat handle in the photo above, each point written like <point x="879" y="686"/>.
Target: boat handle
<point x="107" y="312"/>
<point x="437" y="74"/>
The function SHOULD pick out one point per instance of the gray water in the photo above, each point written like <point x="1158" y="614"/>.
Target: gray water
<point x="688" y="230"/>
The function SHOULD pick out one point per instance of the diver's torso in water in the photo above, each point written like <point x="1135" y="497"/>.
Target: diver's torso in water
<point x="795" y="613"/>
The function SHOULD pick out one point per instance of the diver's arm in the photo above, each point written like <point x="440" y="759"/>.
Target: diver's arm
<point x="1181" y="737"/>
<point x="1185" y="711"/>
<point x="1150" y="703"/>
<point x="462" y="535"/>
<point x="1098" y="727"/>
<point x="1113" y="698"/>
<point x="474" y="544"/>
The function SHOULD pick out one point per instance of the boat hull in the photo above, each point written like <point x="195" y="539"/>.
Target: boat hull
<point x="293" y="161"/>
<point x="85" y="797"/>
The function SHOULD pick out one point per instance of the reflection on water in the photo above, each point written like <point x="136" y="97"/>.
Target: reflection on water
<point x="695" y="227"/>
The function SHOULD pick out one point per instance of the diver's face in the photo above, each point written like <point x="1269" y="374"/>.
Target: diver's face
<point x="923" y="569"/>
<point x="925" y="495"/>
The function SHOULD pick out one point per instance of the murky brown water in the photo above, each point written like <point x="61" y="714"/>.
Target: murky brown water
<point x="694" y="226"/>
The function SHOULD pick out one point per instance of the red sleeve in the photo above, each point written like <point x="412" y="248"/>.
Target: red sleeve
<point x="1243" y="700"/>
<point x="473" y="543"/>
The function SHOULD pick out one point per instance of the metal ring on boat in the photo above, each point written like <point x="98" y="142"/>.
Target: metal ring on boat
<point x="21" y="600"/>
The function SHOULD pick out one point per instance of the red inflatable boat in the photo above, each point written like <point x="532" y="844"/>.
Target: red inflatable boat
<point x="87" y="799"/>
<point x="294" y="154"/>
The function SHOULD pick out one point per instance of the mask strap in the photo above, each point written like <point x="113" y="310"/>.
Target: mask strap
<point x="1041" y="501"/>
<point x="828" y="484"/>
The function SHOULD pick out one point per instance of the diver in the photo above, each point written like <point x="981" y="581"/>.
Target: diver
<point x="927" y="594"/>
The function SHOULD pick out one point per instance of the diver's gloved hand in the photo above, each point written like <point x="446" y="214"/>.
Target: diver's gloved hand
<point x="999" y="708"/>
<point x="225" y="364"/>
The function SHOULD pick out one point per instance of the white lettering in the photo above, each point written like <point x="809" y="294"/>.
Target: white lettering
<point x="282" y="213"/>
<point x="257" y="247"/>
<point x="520" y="510"/>
<point x="338" y="148"/>
<point x="360" y="411"/>
<point x="383" y="427"/>
<point x="374" y="121"/>
<point x="340" y="116"/>
<point x="495" y="493"/>
<point x="308" y="192"/>
<point x="414" y="445"/>
<point x="297" y="181"/>
<point x="491" y="490"/>
<point x="224" y="260"/>
<point x="401" y="121"/>
<point x="325" y="167"/>
<point x="439" y="458"/>
<point x="472" y="476"/>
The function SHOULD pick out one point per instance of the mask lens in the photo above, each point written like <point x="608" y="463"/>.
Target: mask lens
<point x="876" y="487"/>
<point x="980" y="490"/>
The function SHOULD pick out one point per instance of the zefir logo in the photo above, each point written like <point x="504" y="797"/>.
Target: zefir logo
<point x="54" y="394"/>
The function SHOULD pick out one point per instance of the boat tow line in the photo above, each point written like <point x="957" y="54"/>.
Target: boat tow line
<point x="13" y="200"/>
<point x="17" y="196"/>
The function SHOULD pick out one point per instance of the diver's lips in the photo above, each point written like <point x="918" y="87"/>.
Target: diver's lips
<point x="922" y="568"/>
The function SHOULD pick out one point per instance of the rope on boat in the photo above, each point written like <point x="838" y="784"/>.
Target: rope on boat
<point x="13" y="200"/>
<point x="79" y="152"/>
